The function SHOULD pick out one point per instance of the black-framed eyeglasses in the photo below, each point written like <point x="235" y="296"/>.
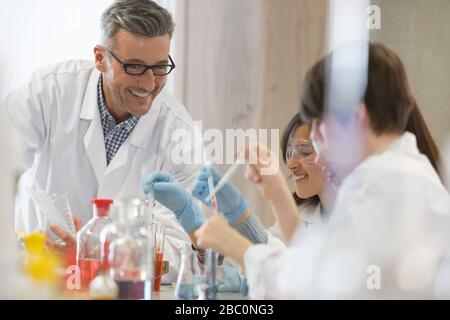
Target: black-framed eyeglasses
<point x="136" y="69"/>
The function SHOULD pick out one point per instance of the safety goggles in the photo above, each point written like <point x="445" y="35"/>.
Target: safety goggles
<point x="301" y="150"/>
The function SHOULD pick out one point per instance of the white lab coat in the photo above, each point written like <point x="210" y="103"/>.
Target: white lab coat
<point x="385" y="238"/>
<point x="58" y="116"/>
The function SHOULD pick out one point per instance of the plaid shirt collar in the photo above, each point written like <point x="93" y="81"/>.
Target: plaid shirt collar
<point x="114" y="134"/>
<point x="108" y="122"/>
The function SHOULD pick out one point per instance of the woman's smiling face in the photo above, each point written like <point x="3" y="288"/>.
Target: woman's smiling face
<point x="308" y="177"/>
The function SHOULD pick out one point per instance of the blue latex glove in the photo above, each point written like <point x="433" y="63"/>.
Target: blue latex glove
<point x="231" y="281"/>
<point x="229" y="200"/>
<point x="173" y="196"/>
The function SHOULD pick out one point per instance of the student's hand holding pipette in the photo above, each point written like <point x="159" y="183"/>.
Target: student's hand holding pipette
<point x="229" y="200"/>
<point x="218" y="235"/>
<point x="174" y="196"/>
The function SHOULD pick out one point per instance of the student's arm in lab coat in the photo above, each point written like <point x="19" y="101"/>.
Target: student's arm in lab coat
<point x="375" y="222"/>
<point x="261" y="263"/>
<point x="277" y="272"/>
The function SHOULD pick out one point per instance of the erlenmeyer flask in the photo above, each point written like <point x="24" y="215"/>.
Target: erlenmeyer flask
<point x="189" y="278"/>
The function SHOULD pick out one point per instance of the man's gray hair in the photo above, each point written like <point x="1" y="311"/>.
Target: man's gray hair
<point x="141" y="17"/>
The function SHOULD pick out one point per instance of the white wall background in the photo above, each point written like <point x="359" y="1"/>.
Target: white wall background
<point x="34" y="33"/>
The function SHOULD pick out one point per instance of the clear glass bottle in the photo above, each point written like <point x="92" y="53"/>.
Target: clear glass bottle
<point x="114" y="230"/>
<point x="88" y="241"/>
<point x="122" y="212"/>
<point x="131" y="255"/>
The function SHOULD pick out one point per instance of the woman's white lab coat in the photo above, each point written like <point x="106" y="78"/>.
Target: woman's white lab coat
<point x="57" y="114"/>
<point x="385" y="238"/>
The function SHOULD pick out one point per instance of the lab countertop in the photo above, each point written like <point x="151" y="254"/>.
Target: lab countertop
<point x="166" y="293"/>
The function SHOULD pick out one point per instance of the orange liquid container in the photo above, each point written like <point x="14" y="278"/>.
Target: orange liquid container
<point x="88" y="242"/>
<point x="88" y="271"/>
<point x="158" y="270"/>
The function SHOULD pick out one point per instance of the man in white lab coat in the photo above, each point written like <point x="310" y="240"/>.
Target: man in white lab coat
<point x="93" y="130"/>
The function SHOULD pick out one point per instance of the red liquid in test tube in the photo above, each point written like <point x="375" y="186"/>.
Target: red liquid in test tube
<point x="158" y="270"/>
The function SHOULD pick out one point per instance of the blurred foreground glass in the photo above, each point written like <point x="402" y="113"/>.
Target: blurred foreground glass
<point x="52" y="209"/>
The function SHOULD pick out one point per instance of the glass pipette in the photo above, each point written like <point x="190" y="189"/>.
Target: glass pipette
<point x="226" y="177"/>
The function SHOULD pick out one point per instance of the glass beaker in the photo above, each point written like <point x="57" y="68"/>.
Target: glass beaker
<point x="52" y="209"/>
<point x="189" y="280"/>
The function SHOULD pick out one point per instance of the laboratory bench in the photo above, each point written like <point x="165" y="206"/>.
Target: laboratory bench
<point x="166" y="293"/>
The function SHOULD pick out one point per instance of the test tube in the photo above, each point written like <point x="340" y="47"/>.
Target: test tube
<point x="159" y="234"/>
<point x="211" y="187"/>
<point x="211" y="263"/>
<point x="211" y="256"/>
<point x="150" y="203"/>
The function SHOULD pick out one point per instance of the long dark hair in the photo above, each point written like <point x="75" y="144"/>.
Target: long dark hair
<point x="293" y="125"/>
<point x="387" y="96"/>
<point x="425" y="143"/>
<point x="390" y="103"/>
